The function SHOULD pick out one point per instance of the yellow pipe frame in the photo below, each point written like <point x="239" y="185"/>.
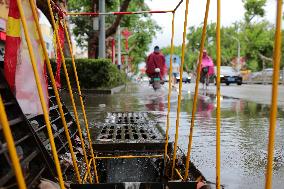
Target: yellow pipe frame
<point x="41" y="96"/>
<point x="86" y="174"/>
<point x="129" y="157"/>
<point x="81" y="100"/>
<point x="11" y="147"/>
<point x="170" y="88"/>
<point x="196" y="89"/>
<point x="9" y="138"/>
<point x="218" y="92"/>
<point x="178" y="173"/>
<point x="49" y="68"/>
<point x="274" y="99"/>
<point x="70" y="91"/>
<point x="180" y="88"/>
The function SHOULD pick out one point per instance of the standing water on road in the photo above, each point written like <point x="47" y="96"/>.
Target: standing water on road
<point x="244" y="132"/>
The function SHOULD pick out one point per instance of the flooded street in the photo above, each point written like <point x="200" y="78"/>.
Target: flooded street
<point x="244" y="132"/>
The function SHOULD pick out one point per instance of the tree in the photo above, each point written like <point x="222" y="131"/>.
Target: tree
<point x="143" y="28"/>
<point x="257" y="43"/>
<point x="83" y="26"/>
<point x="83" y="29"/>
<point x="253" y="8"/>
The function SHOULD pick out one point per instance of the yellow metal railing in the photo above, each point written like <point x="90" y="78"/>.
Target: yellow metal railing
<point x="170" y="88"/>
<point x="274" y="99"/>
<point x="196" y="90"/>
<point x="218" y="92"/>
<point x="11" y="147"/>
<point x="49" y="68"/>
<point x="70" y="90"/>
<point x="41" y="96"/>
<point x="81" y="101"/>
<point x="10" y="141"/>
<point x="180" y="88"/>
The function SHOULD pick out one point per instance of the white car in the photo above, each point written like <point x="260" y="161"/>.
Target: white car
<point x="228" y="75"/>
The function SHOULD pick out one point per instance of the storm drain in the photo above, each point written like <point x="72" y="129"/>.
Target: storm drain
<point x="128" y="132"/>
<point x="124" y="131"/>
<point x="128" y="117"/>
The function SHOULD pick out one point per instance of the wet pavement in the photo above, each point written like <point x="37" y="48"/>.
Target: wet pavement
<point x="256" y="93"/>
<point x="244" y="133"/>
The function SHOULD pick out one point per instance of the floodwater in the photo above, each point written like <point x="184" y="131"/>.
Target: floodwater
<point x="244" y="132"/>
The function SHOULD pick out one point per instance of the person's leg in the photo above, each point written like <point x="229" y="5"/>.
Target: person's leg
<point x="207" y="79"/>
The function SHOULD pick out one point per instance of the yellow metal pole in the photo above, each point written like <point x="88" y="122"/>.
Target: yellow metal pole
<point x="129" y="157"/>
<point x="11" y="147"/>
<point x="179" y="175"/>
<point x="41" y="96"/>
<point x="180" y="88"/>
<point x="218" y="117"/>
<point x="196" y="90"/>
<point x="170" y="87"/>
<point x="81" y="100"/>
<point x="273" y="110"/>
<point x="70" y="90"/>
<point x="49" y="68"/>
<point x="86" y="174"/>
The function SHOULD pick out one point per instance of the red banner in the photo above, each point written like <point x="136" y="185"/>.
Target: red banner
<point x="58" y="57"/>
<point x="17" y="62"/>
<point x="14" y="40"/>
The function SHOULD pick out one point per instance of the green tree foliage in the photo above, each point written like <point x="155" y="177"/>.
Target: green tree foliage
<point x="143" y="28"/>
<point x="253" y="8"/>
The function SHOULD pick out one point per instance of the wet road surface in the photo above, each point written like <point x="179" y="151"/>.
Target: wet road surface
<point x="244" y="132"/>
<point x="256" y="93"/>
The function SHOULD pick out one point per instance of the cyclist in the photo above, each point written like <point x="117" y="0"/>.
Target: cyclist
<point x="207" y="68"/>
<point x="156" y="60"/>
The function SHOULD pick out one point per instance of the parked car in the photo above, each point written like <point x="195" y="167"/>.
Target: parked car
<point x="265" y="76"/>
<point x="228" y="75"/>
<point x="185" y="77"/>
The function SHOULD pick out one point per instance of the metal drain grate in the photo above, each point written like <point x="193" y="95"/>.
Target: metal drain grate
<point x="129" y="132"/>
<point x="128" y="117"/>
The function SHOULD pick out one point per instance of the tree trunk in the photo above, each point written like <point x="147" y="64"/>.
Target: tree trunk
<point x="94" y="39"/>
<point x="93" y="47"/>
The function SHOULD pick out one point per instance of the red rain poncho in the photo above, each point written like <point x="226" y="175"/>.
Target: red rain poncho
<point x="156" y="60"/>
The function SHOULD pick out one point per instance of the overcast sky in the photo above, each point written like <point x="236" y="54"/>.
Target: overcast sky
<point x="231" y="11"/>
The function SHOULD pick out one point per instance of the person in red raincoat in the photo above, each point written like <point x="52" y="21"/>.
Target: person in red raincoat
<point x="156" y="60"/>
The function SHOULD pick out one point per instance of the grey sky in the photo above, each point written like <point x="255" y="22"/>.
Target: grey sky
<point x="232" y="10"/>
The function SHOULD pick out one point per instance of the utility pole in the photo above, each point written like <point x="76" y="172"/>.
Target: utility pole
<point x="239" y="54"/>
<point x="102" y="34"/>
<point x="118" y="41"/>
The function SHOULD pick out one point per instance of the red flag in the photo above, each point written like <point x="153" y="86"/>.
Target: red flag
<point x="17" y="64"/>
<point x="13" y="41"/>
<point x="58" y="57"/>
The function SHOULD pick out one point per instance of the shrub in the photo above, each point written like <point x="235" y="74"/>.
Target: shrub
<point x="92" y="73"/>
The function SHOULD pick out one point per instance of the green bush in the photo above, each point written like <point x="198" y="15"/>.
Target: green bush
<point x="93" y="73"/>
